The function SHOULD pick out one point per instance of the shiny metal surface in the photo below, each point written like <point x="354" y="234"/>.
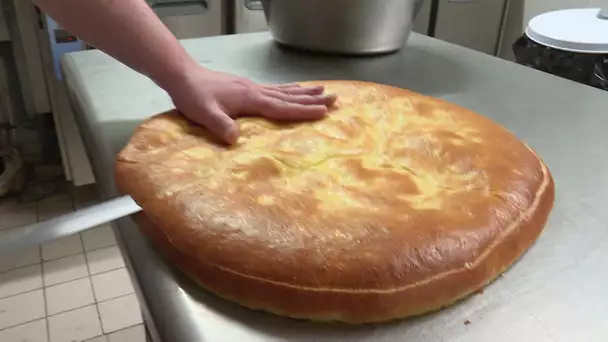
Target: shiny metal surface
<point x="342" y="26"/>
<point x="556" y="292"/>
<point x="20" y="238"/>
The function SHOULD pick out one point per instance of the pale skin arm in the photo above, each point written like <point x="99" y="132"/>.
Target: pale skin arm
<point x="129" y="31"/>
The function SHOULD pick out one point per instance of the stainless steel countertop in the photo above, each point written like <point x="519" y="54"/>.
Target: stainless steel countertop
<point x="557" y="292"/>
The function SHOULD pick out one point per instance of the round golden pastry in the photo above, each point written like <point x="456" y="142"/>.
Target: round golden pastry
<point x="395" y="204"/>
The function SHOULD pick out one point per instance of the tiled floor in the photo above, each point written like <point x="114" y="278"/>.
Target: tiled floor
<point x="73" y="289"/>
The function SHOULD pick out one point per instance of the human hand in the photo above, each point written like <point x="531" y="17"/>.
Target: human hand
<point x="215" y="99"/>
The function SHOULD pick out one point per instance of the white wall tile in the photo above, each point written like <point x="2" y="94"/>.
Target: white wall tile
<point x="105" y="259"/>
<point x="20" y="280"/>
<point x="28" y="332"/>
<point x="76" y="325"/>
<point x="112" y="284"/>
<point x="119" y="313"/>
<point x="64" y="269"/>
<point x="63" y="247"/>
<point x="54" y="206"/>
<point x="23" y="258"/>
<point x="98" y="237"/>
<point x="68" y="296"/>
<point x="21" y="308"/>
<point x="15" y="214"/>
<point x="133" y="334"/>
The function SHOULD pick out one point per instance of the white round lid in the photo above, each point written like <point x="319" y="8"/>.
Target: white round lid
<point x="577" y="30"/>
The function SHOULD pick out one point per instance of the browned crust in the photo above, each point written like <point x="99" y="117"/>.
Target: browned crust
<point x="357" y="306"/>
<point x="352" y="306"/>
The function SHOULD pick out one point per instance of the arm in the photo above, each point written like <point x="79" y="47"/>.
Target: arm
<point x="127" y="30"/>
<point x="130" y="31"/>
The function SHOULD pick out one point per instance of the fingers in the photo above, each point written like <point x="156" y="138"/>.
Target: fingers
<point x="287" y="102"/>
<point x="282" y="86"/>
<point x="306" y="99"/>
<point x="277" y="109"/>
<point x="293" y="103"/>
<point x="316" y="90"/>
<point x="296" y="89"/>
<point x="220" y="124"/>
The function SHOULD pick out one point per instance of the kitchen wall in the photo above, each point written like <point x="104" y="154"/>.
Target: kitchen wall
<point x="520" y="12"/>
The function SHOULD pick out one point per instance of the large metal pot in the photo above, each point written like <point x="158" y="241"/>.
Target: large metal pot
<point x="342" y="26"/>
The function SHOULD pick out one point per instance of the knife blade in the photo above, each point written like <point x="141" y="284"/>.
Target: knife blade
<point x="15" y="239"/>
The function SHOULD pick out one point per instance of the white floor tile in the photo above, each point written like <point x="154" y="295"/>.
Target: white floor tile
<point x="76" y="325"/>
<point x="102" y="338"/>
<point x="68" y="296"/>
<point x="15" y="214"/>
<point x="54" y="206"/>
<point x="64" y="269"/>
<point x="29" y="332"/>
<point x="112" y="284"/>
<point x="133" y="334"/>
<point x="23" y="258"/>
<point x="119" y="313"/>
<point x="63" y="247"/>
<point x="20" y="280"/>
<point x="105" y="259"/>
<point x="98" y="237"/>
<point x="21" y="308"/>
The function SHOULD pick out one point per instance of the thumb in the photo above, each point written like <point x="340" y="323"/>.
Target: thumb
<point x="220" y="124"/>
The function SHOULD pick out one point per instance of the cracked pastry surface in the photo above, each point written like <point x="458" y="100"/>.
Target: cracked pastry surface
<point x="395" y="204"/>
